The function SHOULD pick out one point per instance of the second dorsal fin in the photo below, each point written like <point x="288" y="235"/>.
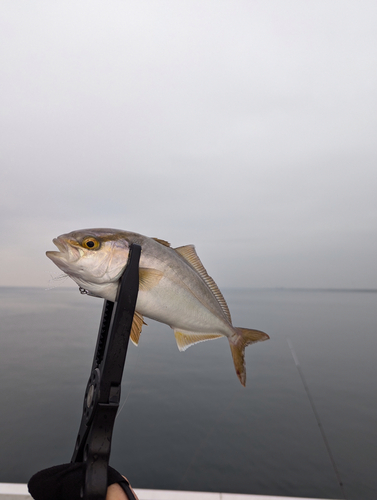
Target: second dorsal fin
<point x="189" y="254"/>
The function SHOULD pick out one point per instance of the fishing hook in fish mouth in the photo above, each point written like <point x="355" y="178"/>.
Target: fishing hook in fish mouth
<point x="83" y="291"/>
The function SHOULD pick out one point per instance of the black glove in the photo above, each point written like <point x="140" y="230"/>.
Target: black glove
<point x="64" y="482"/>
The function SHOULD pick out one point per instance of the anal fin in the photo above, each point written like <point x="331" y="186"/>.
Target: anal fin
<point x="187" y="339"/>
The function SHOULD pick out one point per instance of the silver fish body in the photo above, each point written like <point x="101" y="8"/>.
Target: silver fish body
<point x="174" y="287"/>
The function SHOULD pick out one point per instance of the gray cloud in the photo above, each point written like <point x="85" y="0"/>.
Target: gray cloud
<point x="245" y="128"/>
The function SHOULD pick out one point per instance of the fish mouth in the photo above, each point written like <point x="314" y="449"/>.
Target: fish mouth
<point x="60" y="244"/>
<point x="65" y="251"/>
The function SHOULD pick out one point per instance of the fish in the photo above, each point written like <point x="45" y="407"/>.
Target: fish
<point x="174" y="287"/>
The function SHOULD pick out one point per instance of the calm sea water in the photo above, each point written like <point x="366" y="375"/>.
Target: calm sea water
<point x="187" y="423"/>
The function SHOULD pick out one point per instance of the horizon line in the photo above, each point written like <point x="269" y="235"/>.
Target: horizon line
<point x="276" y="288"/>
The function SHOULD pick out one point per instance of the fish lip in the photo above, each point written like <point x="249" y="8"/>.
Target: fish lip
<point x="60" y="244"/>
<point x="66" y="252"/>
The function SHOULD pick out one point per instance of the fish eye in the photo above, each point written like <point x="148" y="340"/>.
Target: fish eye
<point x="91" y="243"/>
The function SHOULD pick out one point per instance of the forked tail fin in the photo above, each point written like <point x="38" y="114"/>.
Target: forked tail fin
<point x="242" y="338"/>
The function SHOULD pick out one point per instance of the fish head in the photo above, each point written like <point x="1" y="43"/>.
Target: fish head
<point x="93" y="258"/>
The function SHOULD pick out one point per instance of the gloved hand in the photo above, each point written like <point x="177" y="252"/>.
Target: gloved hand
<point x="64" y="482"/>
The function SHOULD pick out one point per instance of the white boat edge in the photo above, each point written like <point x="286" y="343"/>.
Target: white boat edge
<point x="19" y="491"/>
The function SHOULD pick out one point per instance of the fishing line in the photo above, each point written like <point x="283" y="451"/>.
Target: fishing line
<point x="60" y="278"/>
<point x="131" y="380"/>
<point x="124" y="402"/>
<point x="295" y="358"/>
<point x="130" y="384"/>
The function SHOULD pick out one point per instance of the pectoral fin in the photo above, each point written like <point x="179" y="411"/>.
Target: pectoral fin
<point x="149" y="278"/>
<point x="137" y="325"/>
<point x="186" y="339"/>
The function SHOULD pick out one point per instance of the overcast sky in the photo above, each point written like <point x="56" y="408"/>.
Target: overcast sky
<point x="247" y="128"/>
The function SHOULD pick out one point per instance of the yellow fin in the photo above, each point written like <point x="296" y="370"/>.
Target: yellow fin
<point x="137" y="325"/>
<point x="243" y="338"/>
<point x="189" y="254"/>
<point x="186" y="339"/>
<point x="149" y="278"/>
<point x="162" y="242"/>
<point x="249" y="336"/>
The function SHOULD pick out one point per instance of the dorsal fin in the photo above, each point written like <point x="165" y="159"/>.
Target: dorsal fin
<point x="186" y="339"/>
<point x="137" y="325"/>
<point x="189" y="254"/>
<point x="162" y="242"/>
